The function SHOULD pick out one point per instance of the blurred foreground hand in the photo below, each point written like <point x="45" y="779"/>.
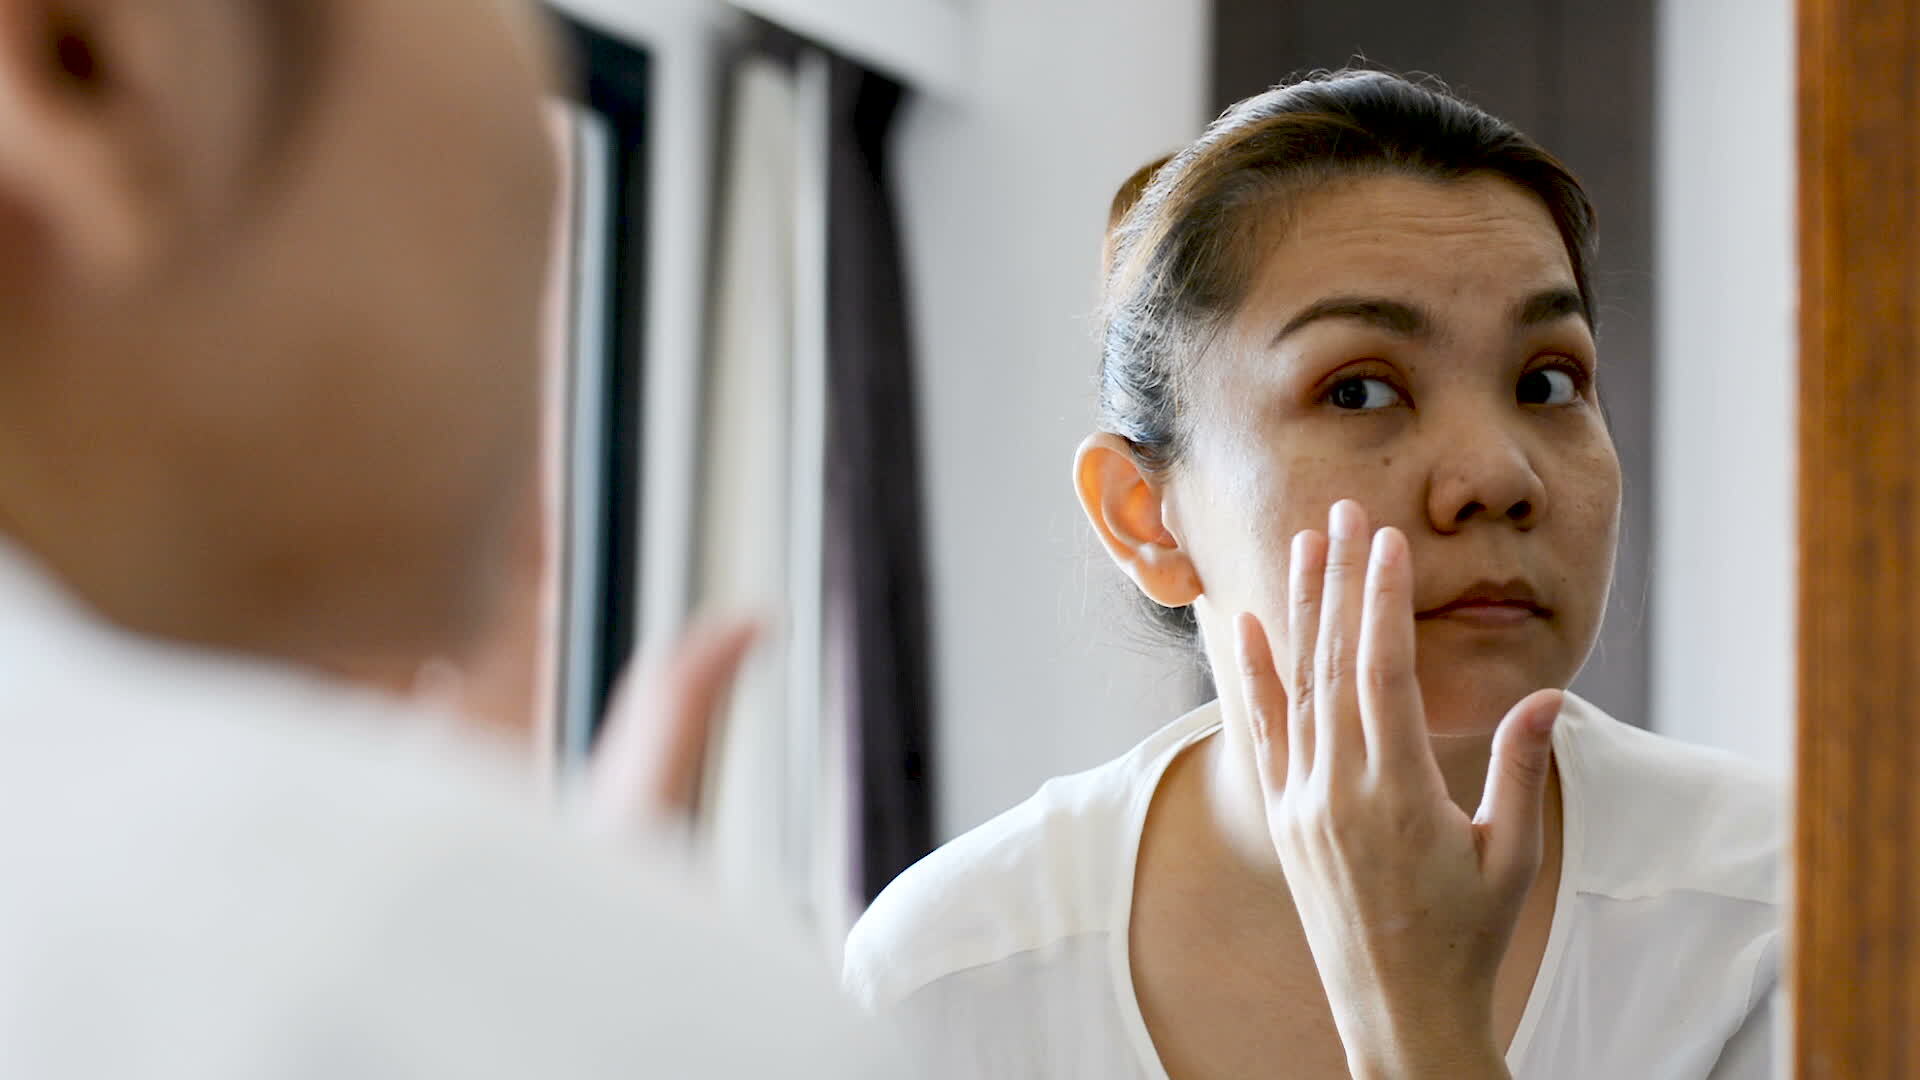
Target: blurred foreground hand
<point x="646" y="771"/>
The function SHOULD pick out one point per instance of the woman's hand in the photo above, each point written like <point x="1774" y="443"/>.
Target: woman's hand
<point x="646" y="771"/>
<point x="1407" y="903"/>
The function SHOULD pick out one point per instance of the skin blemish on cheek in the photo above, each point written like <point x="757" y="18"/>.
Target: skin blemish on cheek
<point x="1386" y="462"/>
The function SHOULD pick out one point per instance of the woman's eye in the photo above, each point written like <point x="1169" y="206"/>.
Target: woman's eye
<point x="1360" y="395"/>
<point x="1548" y="386"/>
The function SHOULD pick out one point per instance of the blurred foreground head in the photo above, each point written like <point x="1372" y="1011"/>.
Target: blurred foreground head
<point x="271" y="283"/>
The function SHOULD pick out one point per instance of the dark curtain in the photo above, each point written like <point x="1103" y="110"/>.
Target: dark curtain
<point x="875" y="548"/>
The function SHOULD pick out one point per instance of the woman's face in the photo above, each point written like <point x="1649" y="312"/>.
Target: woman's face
<point x="1418" y="346"/>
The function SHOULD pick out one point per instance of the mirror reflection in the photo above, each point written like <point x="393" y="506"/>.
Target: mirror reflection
<point x="1425" y="376"/>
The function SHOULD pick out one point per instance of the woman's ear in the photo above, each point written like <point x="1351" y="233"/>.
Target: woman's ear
<point x="1128" y="515"/>
<point x="112" y="115"/>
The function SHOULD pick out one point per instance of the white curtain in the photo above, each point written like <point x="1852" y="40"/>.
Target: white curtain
<point x="777" y="812"/>
<point x="745" y="510"/>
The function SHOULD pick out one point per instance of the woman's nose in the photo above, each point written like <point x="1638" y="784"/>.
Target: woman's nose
<point x="1485" y="476"/>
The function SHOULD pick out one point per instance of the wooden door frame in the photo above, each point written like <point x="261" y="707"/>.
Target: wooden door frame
<point x="1854" y="978"/>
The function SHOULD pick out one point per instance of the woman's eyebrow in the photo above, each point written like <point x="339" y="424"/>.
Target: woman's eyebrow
<point x="1549" y="306"/>
<point x="1403" y="319"/>
<point x="1396" y="317"/>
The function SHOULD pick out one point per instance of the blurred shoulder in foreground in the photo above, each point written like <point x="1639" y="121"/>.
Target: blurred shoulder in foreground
<point x="219" y="868"/>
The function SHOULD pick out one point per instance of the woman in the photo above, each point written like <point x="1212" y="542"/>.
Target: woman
<point x="1355" y="303"/>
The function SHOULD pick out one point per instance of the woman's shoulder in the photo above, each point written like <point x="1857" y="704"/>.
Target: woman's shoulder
<point x="1656" y="815"/>
<point x="1044" y="871"/>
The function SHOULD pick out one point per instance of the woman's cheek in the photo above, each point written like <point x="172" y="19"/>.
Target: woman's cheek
<point x="1242" y="540"/>
<point x="1592" y="489"/>
<point x="1587" y="509"/>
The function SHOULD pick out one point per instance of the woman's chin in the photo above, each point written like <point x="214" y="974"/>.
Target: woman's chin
<point x="1468" y="687"/>
<point x="1462" y="711"/>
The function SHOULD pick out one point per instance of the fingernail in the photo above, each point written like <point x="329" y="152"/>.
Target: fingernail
<point x="1344" y="522"/>
<point x="1544" y="719"/>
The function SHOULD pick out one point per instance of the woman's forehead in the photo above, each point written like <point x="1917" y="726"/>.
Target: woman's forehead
<point x="1441" y="247"/>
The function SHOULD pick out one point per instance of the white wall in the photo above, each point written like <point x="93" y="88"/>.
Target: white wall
<point x="1005" y="191"/>
<point x="1726" y="289"/>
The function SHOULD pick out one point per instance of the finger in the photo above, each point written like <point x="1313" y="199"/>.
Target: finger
<point x="1391" y="713"/>
<point x="1306" y="573"/>
<point x="1266" y="701"/>
<point x="697" y="683"/>
<point x="1511" y="810"/>
<point x="1339" y="740"/>
<point x="652" y="753"/>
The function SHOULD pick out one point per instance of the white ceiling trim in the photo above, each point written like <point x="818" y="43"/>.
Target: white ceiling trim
<point x="647" y="22"/>
<point x="927" y="44"/>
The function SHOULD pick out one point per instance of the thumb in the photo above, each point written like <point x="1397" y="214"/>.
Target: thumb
<point x="1511" y="808"/>
<point x="650" y="758"/>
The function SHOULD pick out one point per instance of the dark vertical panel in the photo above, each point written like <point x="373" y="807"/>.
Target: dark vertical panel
<point x="876" y="575"/>
<point x="1579" y="78"/>
<point x="626" y="405"/>
<point x="614" y="80"/>
<point x="1490" y="51"/>
<point x="1606" y="135"/>
<point x="1254" y="46"/>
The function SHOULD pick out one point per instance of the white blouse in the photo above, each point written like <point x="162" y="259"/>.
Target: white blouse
<point x="1005" y="953"/>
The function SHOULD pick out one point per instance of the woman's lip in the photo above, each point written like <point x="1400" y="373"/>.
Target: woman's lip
<point x="1485" y="613"/>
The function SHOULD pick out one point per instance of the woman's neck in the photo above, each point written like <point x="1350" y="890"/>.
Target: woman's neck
<point x="1237" y="807"/>
<point x="147" y="595"/>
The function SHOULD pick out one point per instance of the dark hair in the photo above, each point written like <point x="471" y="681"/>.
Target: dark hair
<point x="1183" y="255"/>
<point x="1124" y="201"/>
